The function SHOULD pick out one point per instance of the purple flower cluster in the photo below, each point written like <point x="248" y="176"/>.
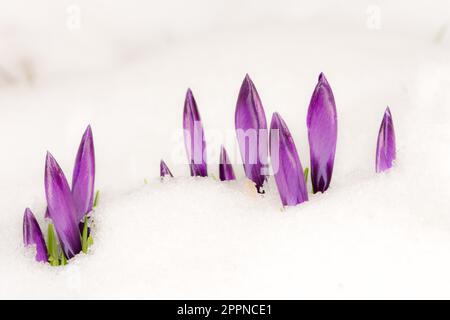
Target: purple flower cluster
<point x="258" y="144"/>
<point x="66" y="207"/>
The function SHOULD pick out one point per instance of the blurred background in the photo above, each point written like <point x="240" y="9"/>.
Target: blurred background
<point x="124" y="67"/>
<point x="50" y="40"/>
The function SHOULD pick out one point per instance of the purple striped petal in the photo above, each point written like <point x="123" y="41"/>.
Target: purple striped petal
<point x="83" y="177"/>
<point x="194" y="137"/>
<point x="322" y="134"/>
<point x="32" y="235"/>
<point x="251" y="130"/>
<point x="164" y="170"/>
<point x="226" y="171"/>
<point x="386" y="143"/>
<point x="286" y="164"/>
<point x="61" y="207"/>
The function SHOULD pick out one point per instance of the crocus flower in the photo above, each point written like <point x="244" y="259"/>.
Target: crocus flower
<point x="322" y="134"/>
<point x="164" y="170"/>
<point x="386" y="143"/>
<point x="288" y="170"/>
<point x="32" y="235"/>
<point x="61" y="208"/>
<point x="84" y="176"/>
<point x="194" y="138"/>
<point x="226" y="171"/>
<point x="251" y="125"/>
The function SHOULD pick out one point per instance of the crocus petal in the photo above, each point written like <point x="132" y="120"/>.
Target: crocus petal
<point x="226" y="171"/>
<point x="288" y="170"/>
<point x="164" y="170"/>
<point x="322" y="134"/>
<point x="386" y="143"/>
<point x="61" y="207"/>
<point x="83" y="177"/>
<point x="251" y="130"/>
<point x="194" y="138"/>
<point x="32" y="235"/>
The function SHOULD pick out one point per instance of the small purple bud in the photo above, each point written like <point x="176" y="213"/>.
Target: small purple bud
<point x="322" y="134"/>
<point x="83" y="177"/>
<point x="32" y="235"/>
<point x="386" y="152"/>
<point x="164" y="170"/>
<point x="288" y="170"/>
<point x="194" y="137"/>
<point x="226" y="171"/>
<point x="61" y="208"/>
<point x="251" y="131"/>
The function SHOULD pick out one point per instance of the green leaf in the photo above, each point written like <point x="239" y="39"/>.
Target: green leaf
<point x="52" y="246"/>
<point x="306" y="174"/>
<point x="90" y="241"/>
<point x="63" y="259"/>
<point x="84" y="236"/>
<point x="97" y="194"/>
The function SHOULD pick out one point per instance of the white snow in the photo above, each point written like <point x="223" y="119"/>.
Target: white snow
<point x="125" y="70"/>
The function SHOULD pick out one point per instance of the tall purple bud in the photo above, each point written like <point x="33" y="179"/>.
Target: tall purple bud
<point x="164" y="170"/>
<point x="61" y="208"/>
<point x="288" y="170"/>
<point x="194" y="138"/>
<point x="83" y="177"/>
<point x="386" y="152"/>
<point x="322" y="134"/>
<point x="226" y="171"/>
<point x="32" y="235"/>
<point x="251" y="130"/>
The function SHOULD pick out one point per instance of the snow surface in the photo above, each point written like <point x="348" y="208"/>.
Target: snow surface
<point x="125" y="71"/>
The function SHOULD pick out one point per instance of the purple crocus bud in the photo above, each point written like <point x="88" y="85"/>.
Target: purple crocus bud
<point x="61" y="208"/>
<point x="194" y="138"/>
<point x="286" y="165"/>
<point x="251" y="130"/>
<point x="386" y="143"/>
<point x="226" y="171"/>
<point x="322" y="134"/>
<point x="83" y="177"/>
<point x="32" y="235"/>
<point x="164" y="170"/>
